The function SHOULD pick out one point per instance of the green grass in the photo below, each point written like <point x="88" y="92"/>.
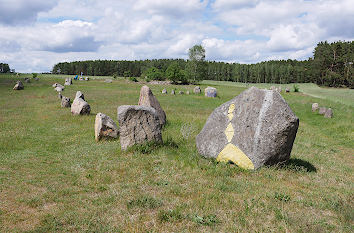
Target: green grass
<point x="54" y="177"/>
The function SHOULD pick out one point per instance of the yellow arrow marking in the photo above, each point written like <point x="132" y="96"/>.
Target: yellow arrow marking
<point x="229" y="132"/>
<point x="234" y="154"/>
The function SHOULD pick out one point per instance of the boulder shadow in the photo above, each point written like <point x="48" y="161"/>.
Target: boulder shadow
<point x="299" y="165"/>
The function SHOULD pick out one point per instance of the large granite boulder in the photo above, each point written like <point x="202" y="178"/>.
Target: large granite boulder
<point x="211" y="92"/>
<point x="253" y="129"/>
<point x="80" y="106"/>
<point x="105" y="127"/>
<point x="138" y="124"/>
<point x="65" y="102"/>
<point x="18" y="86"/>
<point x="328" y="113"/>
<point x="68" y="82"/>
<point x="197" y="90"/>
<point x="315" y="107"/>
<point x="148" y="99"/>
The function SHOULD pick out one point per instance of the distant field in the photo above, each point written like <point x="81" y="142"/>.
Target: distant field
<point x="54" y="177"/>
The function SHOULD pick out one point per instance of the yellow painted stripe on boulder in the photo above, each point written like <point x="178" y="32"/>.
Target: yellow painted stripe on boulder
<point x="234" y="154"/>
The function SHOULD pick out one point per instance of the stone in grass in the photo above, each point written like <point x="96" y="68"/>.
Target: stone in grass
<point x="87" y="79"/>
<point x="105" y="127"/>
<point x="36" y="79"/>
<point x="79" y="95"/>
<point x="287" y="90"/>
<point x="60" y="96"/>
<point x="173" y="92"/>
<point x="187" y="92"/>
<point x="328" y="113"/>
<point x="322" y="110"/>
<point x="65" y="102"/>
<point x="180" y="92"/>
<point x="58" y="85"/>
<point x="59" y="89"/>
<point x="315" y="107"/>
<point x="211" y="92"/>
<point x="253" y="129"/>
<point x="80" y="106"/>
<point x="197" y="90"/>
<point x="68" y="82"/>
<point x="27" y="80"/>
<point x="138" y="124"/>
<point x="18" y="86"/>
<point x="164" y="91"/>
<point x="108" y="81"/>
<point x="148" y="99"/>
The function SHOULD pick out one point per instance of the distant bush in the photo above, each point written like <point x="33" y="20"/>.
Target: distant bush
<point x="34" y="75"/>
<point x="296" y="88"/>
<point x="126" y="74"/>
<point x="133" y="79"/>
<point x="154" y="74"/>
<point x="176" y="74"/>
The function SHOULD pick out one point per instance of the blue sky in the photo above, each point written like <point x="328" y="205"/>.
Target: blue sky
<point x="36" y="34"/>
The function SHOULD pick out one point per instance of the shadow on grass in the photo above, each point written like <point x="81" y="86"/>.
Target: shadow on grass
<point x="149" y="147"/>
<point x="299" y="165"/>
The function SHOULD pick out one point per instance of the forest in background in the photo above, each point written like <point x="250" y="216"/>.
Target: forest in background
<point x="331" y="65"/>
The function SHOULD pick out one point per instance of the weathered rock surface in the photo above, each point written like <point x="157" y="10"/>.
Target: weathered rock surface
<point x="58" y="85"/>
<point x="180" y="92"/>
<point x="197" y="90"/>
<point x="18" y="86"/>
<point x="60" y="96"/>
<point x="187" y="92"/>
<point x="65" y="102"/>
<point x="138" y="124"/>
<point x="211" y="92"/>
<point x="148" y="99"/>
<point x="27" y="80"/>
<point x="79" y="95"/>
<point x="315" y="107"/>
<point x="80" y="106"/>
<point x="36" y="79"/>
<point x="59" y="89"/>
<point x="68" y="81"/>
<point x="108" y="80"/>
<point x="105" y="127"/>
<point x="328" y="113"/>
<point x="164" y="91"/>
<point x="287" y="89"/>
<point x="173" y="92"/>
<point x="322" y="110"/>
<point x="253" y="129"/>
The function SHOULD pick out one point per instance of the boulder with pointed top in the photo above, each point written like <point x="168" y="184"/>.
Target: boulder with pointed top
<point x="253" y="129"/>
<point x="105" y="127"/>
<point x="211" y="92"/>
<point x="68" y="82"/>
<point x="138" y="125"/>
<point x="18" y="86"/>
<point x="80" y="106"/>
<point x="197" y="90"/>
<point x="65" y="102"/>
<point x="315" y="107"/>
<point x="147" y="98"/>
<point x="164" y="91"/>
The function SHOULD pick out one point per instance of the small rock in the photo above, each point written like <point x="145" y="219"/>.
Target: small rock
<point x="36" y="79"/>
<point x="58" y="85"/>
<point x="105" y="127"/>
<point x="27" y="80"/>
<point x="148" y="99"/>
<point x="138" y="124"/>
<point x="180" y="92"/>
<point x="18" y="86"/>
<point x="60" y="96"/>
<point x="197" y="90"/>
<point x="87" y="79"/>
<point x="108" y="80"/>
<point x="187" y="93"/>
<point x="328" y="113"/>
<point x="210" y="92"/>
<point x="287" y="89"/>
<point x="59" y="89"/>
<point x="81" y="78"/>
<point x="68" y="82"/>
<point x="322" y="110"/>
<point x="173" y="92"/>
<point x="65" y="102"/>
<point x="164" y="91"/>
<point x="315" y="107"/>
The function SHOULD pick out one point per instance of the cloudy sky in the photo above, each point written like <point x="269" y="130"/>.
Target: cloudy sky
<point x="36" y="34"/>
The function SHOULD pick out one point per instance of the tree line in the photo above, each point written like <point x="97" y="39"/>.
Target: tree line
<point x="331" y="65"/>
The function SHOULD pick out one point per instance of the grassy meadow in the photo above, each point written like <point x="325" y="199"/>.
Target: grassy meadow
<point x="54" y="177"/>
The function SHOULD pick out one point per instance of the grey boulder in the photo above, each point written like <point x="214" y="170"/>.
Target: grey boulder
<point x="164" y="91"/>
<point x="65" y="102"/>
<point x="58" y="85"/>
<point x="148" y="99"/>
<point x="68" y="82"/>
<point x="18" y="86"/>
<point x="138" y="124"/>
<point x="253" y="129"/>
<point x="59" y="89"/>
<point x="211" y="92"/>
<point x="180" y="92"/>
<point x="322" y="110"/>
<point x="328" y="113"/>
<point x="187" y="92"/>
<point x="27" y="80"/>
<point x="197" y="90"/>
<point x="108" y="80"/>
<point x="105" y="127"/>
<point x="80" y="106"/>
<point x="315" y="107"/>
<point x="79" y="95"/>
<point x="173" y="92"/>
<point x="287" y="90"/>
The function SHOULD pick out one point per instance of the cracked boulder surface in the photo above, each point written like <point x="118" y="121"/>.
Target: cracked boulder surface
<point x="253" y="129"/>
<point x="105" y="127"/>
<point x="80" y="106"/>
<point x="138" y="125"/>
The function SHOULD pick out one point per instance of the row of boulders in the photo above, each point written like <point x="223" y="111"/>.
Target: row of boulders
<point x="209" y="91"/>
<point x="278" y="89"/>
<point x="327" y="112"/>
